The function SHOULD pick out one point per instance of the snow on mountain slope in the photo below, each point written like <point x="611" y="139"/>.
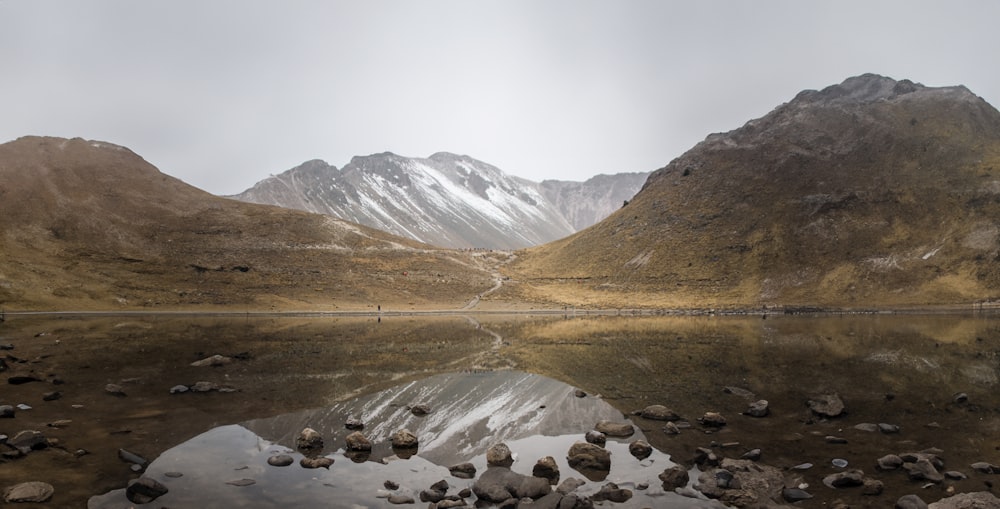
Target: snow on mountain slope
<point x="447" y="200"/>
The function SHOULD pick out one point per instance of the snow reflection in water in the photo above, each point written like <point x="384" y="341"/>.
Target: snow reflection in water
<point x="534" y="415"/>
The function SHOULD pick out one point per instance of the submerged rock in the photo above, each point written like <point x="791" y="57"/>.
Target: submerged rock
<point x="144" y="490"/>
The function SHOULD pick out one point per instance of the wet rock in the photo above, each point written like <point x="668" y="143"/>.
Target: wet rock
<point x="391" y="485"/>
<point x="320" y="462"/>
<point x="887" y="428"/>
<point x="978" y="500"/>
<point x="463" y="470"/>
<point x="671" y="429"/>
<point x="758" y="408"/>
<point x="640" y="449"/>
<point x="280" y="460"/>
<point x="30" y="492"/>
<point x="309" y="439"/>
<point x="404" y="439"/>
<point x="499" y="455"/>
<point x="658" y="413"/>
<point x="674" y="477"/>
<point x="179" y="389"/>
<point x="615" y="429"/>
<point x="28" y="440"/>
<point x="889" y="462"/>
<point x="826" y="405"/>
<point x="133" y="458"/>
<point x="583" y="456"/>
<point x="7" y="412"/>
<point x="985" y="468"/>
<point x="570" y="485"/>
<point x="241" y="482"/>
<point x="712" y="420"/>
<point x="399" y="499"/>
<point x="215" y="360"/>
<point x="358" y="442"/>
<point x="51" y="396"/>
<point x="742" y="483"/>
<point x="499" y="484"/>
<point x="923" y="470"/>
<point x="706" y="456"/>
<point x="579" y="393"/>
<point x="596" y="437"/>
<point x="547" y="468"/>
<point x="144" y="490"/>
<point x="845" y="479"/>
<point x="420" y="410"/>
<point x="872" y="487"/>
<point x="612" y="493"/>
<point x="115" y="390"/>
<point x="910" y="502"/>
<point x="354" y="424"/>
<point x="795" y="495"/>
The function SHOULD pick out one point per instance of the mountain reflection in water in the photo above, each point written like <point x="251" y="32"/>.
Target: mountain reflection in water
<point x="534" y="415"/>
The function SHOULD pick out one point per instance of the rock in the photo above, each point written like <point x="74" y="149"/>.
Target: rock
<point x="179" y="389"/>
<point x="705" y="456"/>
<point x="866" y="426"/>
<point x="977" y="500"/>
<point x="499" y="455"/>
<point x="280" y="460"/>
<point x="845" y="479"/>
<point x="433" y="496"/>
<point x="499" y="484"/>
<point x="671" y="429"/>
<point x="309" y="439"/>
<point x="391" y="485"/>
<point x="7" y="411"/>
<point x="738" y="391"/>
<point x="826" y="405"/>
<point x="463" y="470"/>
<point x="51" y="396"/>
<point x="742" y="483"/>
<point x="889" y="462"/>
<point x="241" y="482"/>
<point x="401" y="499"/>
<point x="955" y="475"/>
<point x="985" y="468"/>
<point x="6" y="346"/>
<point x="615" y="429"/>
<point x="404" y="439"/>
<point x="752" y="455"/>
<point x="31" y="492"/>
<point x="960" y="398"/>
<point x="204" y="386"/>
<point x="674" y="477"/>
<point x="910" y="502"/>
<point x="712" y="420"/>
<point x="658" y="413"/>
<point x="144" y="490"/>
<point x="215" y="360"/>
<point x="795" y="495"/>
<point x="61" y="423"/>
<point x="115" y="390"/>
<point x="758" y="408"/>
<point x="133" y="458"/>
<point x="923" y="470"/>
<point x="420" y="410"/>
<point x="830" y="439"/>
<point x="357" y="442"/>
<point x="612" y="493"/>
<point x="596" y="437"/>
<point x="27" y="441"/>
<point x="173" y="475"/>
<point x="887" y="428"/>
<point x="872" y="487"/>
<point x="448" y="504"/>
<point x="354" y="424"/>
<point x="579" y="393"/>
<point x="22" y="406"/>
<point x="640" y="449"/>
<point x="547" y="468"/>
<point x="320" y="462"/>
<point x="583" y="456"/>
<point x="570" y="485"/>
<point x="21" y="380"/>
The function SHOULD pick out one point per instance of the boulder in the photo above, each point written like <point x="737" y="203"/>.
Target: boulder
<point x="758" y="408"/>
<point x="499" y="484"/>
<point x="583" y="457"/>
<point x="674" y="477"/>
<point x="404" y="439"/>
<point x="32" y="491"/>
<point x="977" y="500"/>
<point x="356" y="441"/>
<point x="658" y="413"/>
<point x="463" y="470"/>
<point x="144" y="490"/>
<point x="596" y="437"/>
<point x="640" y="449"/>
<point x="320" y="462"/>
<point x="547" y="468"/>
<point x="309" y="439"/>
<point x="280" y="460"/>
<point x="826" y="405"/>
<point x="499" y="455"/>
<point x="615" y="429"/>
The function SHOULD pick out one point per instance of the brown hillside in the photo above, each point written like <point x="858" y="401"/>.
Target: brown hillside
<point x="874" y="192"/>
<point x="90" y="225"/>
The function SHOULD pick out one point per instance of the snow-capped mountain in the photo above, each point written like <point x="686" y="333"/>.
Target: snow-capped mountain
<point x="447" y="200"/>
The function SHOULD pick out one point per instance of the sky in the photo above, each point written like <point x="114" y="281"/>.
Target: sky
<point x="223" y="93"/>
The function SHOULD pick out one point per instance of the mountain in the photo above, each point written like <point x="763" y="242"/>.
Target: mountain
<point x="872" y="192"/>
<point x="585" y="203"/>
<point x="91" y="225"/>
<point x="446" y="200"/>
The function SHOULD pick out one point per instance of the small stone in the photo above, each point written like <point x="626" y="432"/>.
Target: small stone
<point x="866" y="426"/>
<point x="401" y="499"/>
<point x="204" y="386"/>
<point x="420" y="410"/>
<point x="960" y="398"/>
<point x="179" y="389"/>
<point x="62" y="423"/>
<point x="51" y="396"/>
<point x="712" y="420"/>
<point x="241" y="482"/>
<point x="131" y="457"/>
<point x="357" y="442"/>
<point x="612" y="493"/>
<point x="640" y="449"/>
<point x="826" y="405"/>
<point x="888" y="429"/>
<point x="173" y="475"/>
<point x="21" y="380"/>
<point x="584" y="456"/>
<point x="793" y="495"/>
<point x="391" y="485"/>
<point x="22" y="406"/>
<point x="830" y="439"/>
<point x="144" y="490"/>
<point x="758" y="408"/>
<point x="984" y="467"/>
<point x="30" y="492"/>
<point x="463" y="470"/>
<point x="580" y="394"/>
<point x="839" y="462"/>
<point x="955" y="475"/>
<point x="320" y="462"/>
<point x="872" y="487"/>
<point x="547" y="468"/>
<point x="889" y="462"/>
<point x="28" y="440"/>
<point x="280" y="460"/>
<point x="615" y="429"/>
<point x="354" y="424"/>
<point x="7" y="412"/>
<point x="114" y="390"/>
<point x="845" y="479"/>
<point x="596" y="438"/>
<point x="752" y="455"/>
<point x="671" y="429"/>
<point x="569" y="485"/>
<point x="215" y="360"/>
<point x="499" y="455"/>
<point x="658" y="413"/>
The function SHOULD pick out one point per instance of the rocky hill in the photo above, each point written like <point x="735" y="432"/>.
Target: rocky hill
<point x="872" y="192"/>
<point x="91" y="225"/>
<point x="446" y="200"/>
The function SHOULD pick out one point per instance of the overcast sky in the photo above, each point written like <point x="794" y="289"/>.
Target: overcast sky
<point x="223" y="93"/>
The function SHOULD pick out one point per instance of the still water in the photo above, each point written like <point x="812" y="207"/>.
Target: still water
<point x="512" y="379"/>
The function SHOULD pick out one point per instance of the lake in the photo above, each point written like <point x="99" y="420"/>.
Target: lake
<point x="491" y="378"/>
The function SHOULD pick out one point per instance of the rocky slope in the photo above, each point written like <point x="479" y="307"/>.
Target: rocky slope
<point x="90" y="225"/>
<point x="871" y="192"/>
<point x="446" y="200"/>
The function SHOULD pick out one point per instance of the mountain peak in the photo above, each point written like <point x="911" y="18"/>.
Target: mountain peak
<point x="870" y="87"/>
